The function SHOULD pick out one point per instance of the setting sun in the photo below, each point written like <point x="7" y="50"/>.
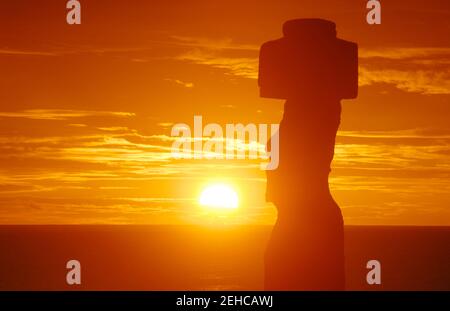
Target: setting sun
<point x="219" y="196"/>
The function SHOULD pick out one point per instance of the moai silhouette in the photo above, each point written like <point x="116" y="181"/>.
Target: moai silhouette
<point x="312" y="70"/>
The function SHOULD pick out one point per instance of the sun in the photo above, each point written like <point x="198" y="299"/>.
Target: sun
<point x="219" y="196"/>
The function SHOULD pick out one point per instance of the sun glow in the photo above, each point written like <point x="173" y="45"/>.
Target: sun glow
<point x="219" y="196"/>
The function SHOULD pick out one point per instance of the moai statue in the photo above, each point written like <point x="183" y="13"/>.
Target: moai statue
<point x="312" y="70"/>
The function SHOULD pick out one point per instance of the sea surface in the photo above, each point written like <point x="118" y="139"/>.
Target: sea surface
<point x="129" y="257"/>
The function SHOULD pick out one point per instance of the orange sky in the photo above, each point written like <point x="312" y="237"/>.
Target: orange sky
<point x="86" y="111"/>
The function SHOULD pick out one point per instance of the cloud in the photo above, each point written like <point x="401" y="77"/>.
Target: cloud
<point x="405" y="53"/>
<point x="424" y="70"/>
<point x="120" y="147"/>
<point x="165" y="124"/>
<point x="60" y="114"/>
<point x="237" y="59"/>
<point x="416" y="70"/>
<point x="182" y="83"/>
<point x="245" y="67"/>
<point x="73" y="50"/>
<point x="26" y="52"/>
<point x="417" y="133"/>
<point x="420" y="81"/>
<point x="117" y="175"/>
<point x="77" y="125"/>
<point x="114" y="129"/>
<point x="139" y="53"/>
<point x="214" y="44"/>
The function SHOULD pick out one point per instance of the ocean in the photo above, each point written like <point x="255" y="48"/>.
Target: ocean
<point x="138" y="257"/>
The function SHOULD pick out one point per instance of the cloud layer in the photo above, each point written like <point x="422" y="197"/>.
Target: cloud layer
<point x="418" y="70"/>
<point x="116" y="174"/>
